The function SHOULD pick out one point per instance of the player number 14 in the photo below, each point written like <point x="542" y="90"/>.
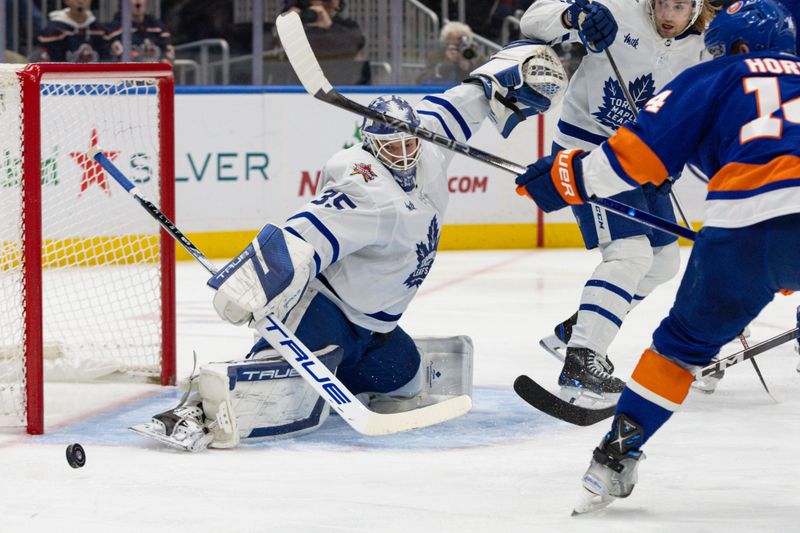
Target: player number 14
<point x="768" y="100"/>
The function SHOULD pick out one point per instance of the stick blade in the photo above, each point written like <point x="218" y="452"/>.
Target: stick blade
<point x="301" y="56"/>
<point x="374" y="424"/>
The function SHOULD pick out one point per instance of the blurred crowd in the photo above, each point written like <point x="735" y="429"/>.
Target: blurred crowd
<point x="74" y="34"/>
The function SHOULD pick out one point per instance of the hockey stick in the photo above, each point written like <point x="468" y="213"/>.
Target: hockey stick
<point x="635" y="111"/>
<point x="547" y="402"/>
<point x="303" y="360"/>
<point x="301" y="56"/>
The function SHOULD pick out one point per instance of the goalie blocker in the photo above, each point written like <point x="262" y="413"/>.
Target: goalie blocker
<point x="264" y="397"/>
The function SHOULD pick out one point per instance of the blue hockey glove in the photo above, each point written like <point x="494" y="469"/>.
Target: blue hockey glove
<point x="523" y="79"/>
<point x="555" y="181"/>
<point x="594" y="22"/>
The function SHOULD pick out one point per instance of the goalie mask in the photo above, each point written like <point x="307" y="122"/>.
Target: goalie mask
<point x="763" y="25"/>
<point x="397" y="150"/>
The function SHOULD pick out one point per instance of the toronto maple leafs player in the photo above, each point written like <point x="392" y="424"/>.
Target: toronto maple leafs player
<point x="651" y="42"/>
<point x="738" y="118"/>
<point x="347" y="264"/>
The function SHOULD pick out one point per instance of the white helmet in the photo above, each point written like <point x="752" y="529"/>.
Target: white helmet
<point x="377" y="136"/>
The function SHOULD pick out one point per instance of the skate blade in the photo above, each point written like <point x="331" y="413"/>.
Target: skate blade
<point x="589" y="502"/>
<point x="150" y="431"/>
<point x="585" y="398"/>
<point x="554" y="346"/>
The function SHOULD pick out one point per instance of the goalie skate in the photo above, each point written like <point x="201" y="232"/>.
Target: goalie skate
<point x="180" y="428"/>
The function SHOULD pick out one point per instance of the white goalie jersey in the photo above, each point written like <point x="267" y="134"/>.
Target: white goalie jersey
<point x="374" y="243"/>
<point x="595" y="106"/>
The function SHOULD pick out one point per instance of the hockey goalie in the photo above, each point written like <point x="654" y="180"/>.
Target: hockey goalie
<point x="343" y="269"/>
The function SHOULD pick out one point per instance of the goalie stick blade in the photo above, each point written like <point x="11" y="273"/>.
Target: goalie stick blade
<point x="371" y="423"/>
<point x="301" y="56"/>
<point x="550" y="404"/>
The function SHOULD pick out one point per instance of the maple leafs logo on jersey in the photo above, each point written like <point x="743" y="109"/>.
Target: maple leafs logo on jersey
<point x="365" y="171"/>
<point x="615" y="110"/>
<point x="426" y="253"/>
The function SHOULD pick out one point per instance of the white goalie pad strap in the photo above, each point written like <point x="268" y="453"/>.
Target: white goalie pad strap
<point x="445" y="371"/>
<point x="268" y="277"/>
<point x="264" y="397"/>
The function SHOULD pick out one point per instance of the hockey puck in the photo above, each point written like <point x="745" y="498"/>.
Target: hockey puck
<point x="76" y="457"/>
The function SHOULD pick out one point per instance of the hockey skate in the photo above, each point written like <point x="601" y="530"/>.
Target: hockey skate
<point x="708" y="384"/>
<point x="181" y="428"/>
<point x="797" y="349"/>
<point x="612" y="470"/>
<point x="556" y="344"/>
<point x="586" y="378"/>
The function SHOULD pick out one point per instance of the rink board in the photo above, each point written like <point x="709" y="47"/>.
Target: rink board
<point x="249" y="155"/>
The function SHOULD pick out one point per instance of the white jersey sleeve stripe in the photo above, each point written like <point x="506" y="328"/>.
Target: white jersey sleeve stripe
<point x="438" y="117"/>
<point x="324" y="231"/>
<point x="453" y="112"/>
<point x="317" y="260"/>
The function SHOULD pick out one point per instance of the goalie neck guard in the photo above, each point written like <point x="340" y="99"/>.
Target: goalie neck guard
<point x="763" y="25"/>
<point x="390" y="146"/>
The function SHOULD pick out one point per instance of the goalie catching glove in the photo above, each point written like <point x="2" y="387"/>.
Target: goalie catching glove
<point x="267" y="278"/>
<point x="523" y="79"/>
<point x="555" y="181"/>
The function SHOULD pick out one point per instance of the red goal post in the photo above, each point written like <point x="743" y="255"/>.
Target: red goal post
<point x="87" y="281"/>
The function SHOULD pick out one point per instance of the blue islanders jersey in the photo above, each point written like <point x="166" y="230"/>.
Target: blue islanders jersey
<point x="737" y="118"/>
<point x="375" y="243"/>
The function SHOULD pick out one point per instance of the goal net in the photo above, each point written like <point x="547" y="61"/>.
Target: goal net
<point x="86" y="277"/>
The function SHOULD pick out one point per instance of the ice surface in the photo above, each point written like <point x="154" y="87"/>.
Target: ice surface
<point x="728" y="460"/>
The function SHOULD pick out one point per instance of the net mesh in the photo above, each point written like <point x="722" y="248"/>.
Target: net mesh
<point x="100" y="252"/>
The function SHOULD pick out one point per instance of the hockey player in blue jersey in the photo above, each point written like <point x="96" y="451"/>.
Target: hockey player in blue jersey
<point x="738" y="118"/>
<point x="347" y="265"/>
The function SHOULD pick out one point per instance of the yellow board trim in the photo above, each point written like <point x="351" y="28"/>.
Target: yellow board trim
<point x="226" y="244"/>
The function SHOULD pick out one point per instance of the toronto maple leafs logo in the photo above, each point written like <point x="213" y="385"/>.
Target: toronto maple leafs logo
<point x="615" y="110"/>
<point x="410" y="206"/>
<point x="365" y="171"/>
<point x="426" y="253"/>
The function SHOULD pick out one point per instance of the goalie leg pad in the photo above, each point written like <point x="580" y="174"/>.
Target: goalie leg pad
<point x="445" y="371"/>
<point x="262" y="397"/>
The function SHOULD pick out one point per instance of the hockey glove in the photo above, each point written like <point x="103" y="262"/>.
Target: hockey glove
<point x="523" y="79"/>
<point x="594" y="22"/>
<point x="268" y="277"/>
<point x="554" y="181"/>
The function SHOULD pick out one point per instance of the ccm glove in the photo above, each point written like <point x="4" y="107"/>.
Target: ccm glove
<point x="555" y="181"/>
<point x="594" y="22"/>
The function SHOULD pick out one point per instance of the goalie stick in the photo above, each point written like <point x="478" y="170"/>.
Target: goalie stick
<point x="303" y="360"/>
<point x="301" y="56"/>
<point x="550" y="404"/>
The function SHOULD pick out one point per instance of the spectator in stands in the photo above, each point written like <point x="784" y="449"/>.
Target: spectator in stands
<point x="453" y="59"/>
<point x="73" y="35"/>
<point x="22" y="17"/>
<point x="150" y="38"/>
<point x="333" y="36"/>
